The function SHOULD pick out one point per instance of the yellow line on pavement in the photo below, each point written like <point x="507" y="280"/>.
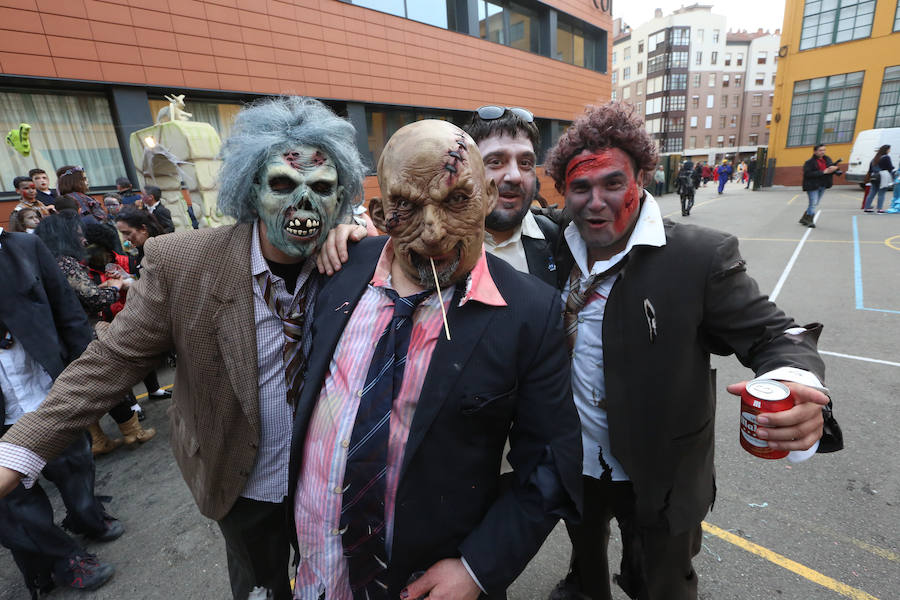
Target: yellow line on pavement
<point x="791" y="201"/>
<point x="165" y="387"/>
<point x="891" y="241"/>
<point x="793" y="566"/>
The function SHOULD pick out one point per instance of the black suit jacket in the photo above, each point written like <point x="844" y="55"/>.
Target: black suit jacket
<point x="539" y="253"/>
<point x="504" y="373"/>
<point x="38" y="306"/>
<point x="670" y="309"/>
<point x="163" y="216"/>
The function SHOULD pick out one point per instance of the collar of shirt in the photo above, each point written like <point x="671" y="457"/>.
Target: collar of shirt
<point x="258" y="264"/>
<point x="528" y="228"/>
<point x="648" y="231"/>
<point x="480" y="287"/>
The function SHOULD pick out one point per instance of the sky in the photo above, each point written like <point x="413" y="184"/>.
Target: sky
<point x="746" y="14"/>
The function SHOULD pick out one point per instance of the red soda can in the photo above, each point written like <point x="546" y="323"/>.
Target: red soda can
<point x="762" y="396"/>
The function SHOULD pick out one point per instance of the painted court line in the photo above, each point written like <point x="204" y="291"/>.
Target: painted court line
<point x="790" y="264"/>
<point x="857" y="273"/>
<point x="862" y="358"/>
<point x="782" y="561"/>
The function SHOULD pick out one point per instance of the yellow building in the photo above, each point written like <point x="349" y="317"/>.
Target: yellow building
<point x="838" y="74"/>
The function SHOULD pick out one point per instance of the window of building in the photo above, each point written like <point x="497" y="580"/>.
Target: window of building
<point x="653" y="125"/>
<point x="626" y="73"/>
<point x="440" y="13"/>
<point x="888" y="113"/>
<point x="639" y="88"/>
<point x="754" y="120"/>
<point x="677" y="81"/>
<point x="654" y="106"/>
<point x="656" y="64"/>
<point x="736" y="101"/>
<point x="824" y="109"/>
<point x="626" y="92"/>
<point x="580" y="47"/>
<point x="753" y="139"/>
<point x="724" y="100"/>
<point x="757" y="100"/>
<point x="490" y="22"/>
<point x="675" y="124"/>
<point x="696" y="79"/>
<point x="760" y="79"/>
<point x="640" y="67"/>
<point x="722" y="120"/>
<point x="771" y="99"/>
<point x="728" y="59"/>
<point x="707" y="124"/>
<point x="695" y="102"/>
<point x="737" y="81"/>
<point x="700" y="35"/>
<point x="725" y="81"/>
<point x="219" y="115"/>
<point x="694" y="121"/>
<point x="712" y="80"/>
<point x="897" y="17"/>
<point x="676" y="103"/>
<point x="773" y="78"/>
<point x="626" y="53"/>
<point x="76" y="129"/>
<point x="720" y="141"/>
<point x="761" y="57"/>
<point x="613" y="95"/>
<point x="713" y="57"/>
<point x="827" y="22"/>
<point x="382" y="123"/>
<point x="766" y="138"/>
<point x="674" y="144"/>
<point x="731" y="140"/>
<point x="615" y="58"/>
<point x="733" y="121"/>
<point x="655" y="40"/>
<point x="615" y="77"/>
<point x="641" y="47"/>
<point x="639" y="108"/>
<point x="681" y="36"/>
<point x="740" y="59"/>
<point x="655" y="85"/>
<point x="692" y="141"/>
<point x="707" y="140"/>
<point x="679" y="60"/>
<point x="715" y="36"/>
<point x="769" y="119"/>
<point x="710" y="101"/>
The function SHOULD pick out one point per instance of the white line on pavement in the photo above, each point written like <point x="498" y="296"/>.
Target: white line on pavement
<point x="862" y="358"/>
<point x="790" y="264"/>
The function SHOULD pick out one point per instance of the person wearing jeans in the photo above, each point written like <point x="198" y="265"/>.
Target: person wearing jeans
<point x="818" y="172"/>
<point x="881" y="162"/>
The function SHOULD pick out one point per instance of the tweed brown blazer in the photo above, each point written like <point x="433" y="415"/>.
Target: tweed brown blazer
<point x="195" y="296"/>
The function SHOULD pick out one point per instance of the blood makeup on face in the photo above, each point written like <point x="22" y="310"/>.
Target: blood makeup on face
<point x="587" y="164"/>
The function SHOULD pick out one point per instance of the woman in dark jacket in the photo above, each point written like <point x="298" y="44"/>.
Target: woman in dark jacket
<point x="881" y="162"/>
<point x="72" y="183"/>
<point x="818" y="172"/>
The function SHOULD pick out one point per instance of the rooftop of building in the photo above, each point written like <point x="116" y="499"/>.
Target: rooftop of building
<point x="742" y="35"/>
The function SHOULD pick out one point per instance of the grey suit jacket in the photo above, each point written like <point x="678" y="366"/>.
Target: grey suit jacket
<point x="194" y="296"/>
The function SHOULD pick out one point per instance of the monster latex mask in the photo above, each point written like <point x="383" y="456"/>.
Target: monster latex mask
<point x="298" y="199"/>
<point x="435" y="196"/>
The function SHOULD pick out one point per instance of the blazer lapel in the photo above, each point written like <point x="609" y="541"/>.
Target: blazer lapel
<point x="467" y="325"/>
<point x="235" y="322"/>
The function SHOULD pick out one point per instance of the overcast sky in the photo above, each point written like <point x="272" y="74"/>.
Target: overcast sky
<point x="743" y="14"/>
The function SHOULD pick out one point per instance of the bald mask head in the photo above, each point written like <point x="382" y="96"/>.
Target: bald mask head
<point x="435" y="197"/>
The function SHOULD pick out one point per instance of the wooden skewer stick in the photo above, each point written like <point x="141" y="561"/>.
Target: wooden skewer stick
<point x="440" y="299"/>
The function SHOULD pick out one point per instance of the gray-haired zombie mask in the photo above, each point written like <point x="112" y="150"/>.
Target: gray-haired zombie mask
<point x="297" y="197"/>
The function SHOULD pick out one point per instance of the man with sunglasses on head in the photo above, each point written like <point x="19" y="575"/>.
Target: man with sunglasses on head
<point x="508" y="140"/>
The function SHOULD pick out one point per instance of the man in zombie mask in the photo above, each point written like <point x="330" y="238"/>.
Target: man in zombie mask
<point x="235" y="303"/>
<point x="401" y="425"/>
<point x="646" y="302"/>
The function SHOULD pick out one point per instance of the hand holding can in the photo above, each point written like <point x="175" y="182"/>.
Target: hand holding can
<point x="762" y="396"/>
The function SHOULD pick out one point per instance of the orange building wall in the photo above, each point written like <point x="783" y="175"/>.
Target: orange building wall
<point x="322" y="48"/>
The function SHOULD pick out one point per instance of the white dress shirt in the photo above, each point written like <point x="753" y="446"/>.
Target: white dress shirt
<point x="512" y="250"/>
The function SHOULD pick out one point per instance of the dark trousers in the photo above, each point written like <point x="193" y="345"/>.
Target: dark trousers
<point x="257" y="545"/>
<point x="655" y="565"/>
<point x="26" y="516"/>
<point x="151" y="382"/>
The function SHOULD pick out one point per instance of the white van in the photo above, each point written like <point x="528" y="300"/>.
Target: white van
<point x="864" y="148"/>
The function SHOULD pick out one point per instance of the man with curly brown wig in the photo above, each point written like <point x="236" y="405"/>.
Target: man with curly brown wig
<point x="641" y="323"/>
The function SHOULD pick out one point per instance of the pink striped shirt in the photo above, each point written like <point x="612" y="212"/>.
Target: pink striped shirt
<point x="317" y="507"/>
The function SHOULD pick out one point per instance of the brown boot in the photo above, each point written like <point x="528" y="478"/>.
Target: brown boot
<point x="133" y="432"/>
<point x="100" y="442"/>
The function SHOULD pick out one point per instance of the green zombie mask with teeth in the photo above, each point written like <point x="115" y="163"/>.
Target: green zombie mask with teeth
<point x="297" y="197"/>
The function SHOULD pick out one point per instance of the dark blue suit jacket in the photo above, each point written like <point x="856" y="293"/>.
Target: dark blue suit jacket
<point x="505" y="373"/>
<point x="38" y="306"/>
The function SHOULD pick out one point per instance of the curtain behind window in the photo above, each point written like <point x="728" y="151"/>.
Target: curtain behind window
<point x="65" y="130"/>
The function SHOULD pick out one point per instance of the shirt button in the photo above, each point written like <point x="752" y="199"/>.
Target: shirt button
<point x="581" y="319"/>
<point x="359" y="393"/>
<point x="337" y="489"/>
<point x="335" y="532"/>
<point x="345" y="443"/>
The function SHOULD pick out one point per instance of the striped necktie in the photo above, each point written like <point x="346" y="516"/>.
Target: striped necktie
<point x="578" y="298"/>
<point x="362" y="509"/>
<point x="293" y="355"/>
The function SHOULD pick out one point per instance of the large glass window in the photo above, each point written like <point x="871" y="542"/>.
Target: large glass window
<point x="580" y="47"/>
<point x="490" y="22"/>
<point x="897" y="17"/>
<point x="824" y="109"/>
<point x="383" y="123"/>
<point x="219" y="115"/>
<point x="828" y="22"/>
<point x="681" y="36"/>
<point x="507" y="23"/>
<point x="439" y="13"/>
<point x="65" y="130"/>
<point x="888" y="114"/>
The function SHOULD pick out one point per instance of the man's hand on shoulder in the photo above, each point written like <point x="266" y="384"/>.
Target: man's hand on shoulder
<point x="447" y="579"/>
<point x="797" y="428"/>
<point x="9" y="480"/>
<point x="333" y="253"/>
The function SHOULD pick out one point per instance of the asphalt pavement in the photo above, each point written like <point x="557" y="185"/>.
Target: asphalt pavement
<point x="828" y="528"/>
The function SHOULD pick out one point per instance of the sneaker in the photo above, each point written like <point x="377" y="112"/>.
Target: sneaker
<point x="160" y="395"/>
<point x="880" y="212"/>
<point x="869" y="210"/>
<point x="83" y="572"/>
<point x="114" y="530"/>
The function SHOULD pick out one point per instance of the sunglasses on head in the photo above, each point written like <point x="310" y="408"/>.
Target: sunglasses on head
<point x="490" y="113"/>
<point x="72" y="171"/>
